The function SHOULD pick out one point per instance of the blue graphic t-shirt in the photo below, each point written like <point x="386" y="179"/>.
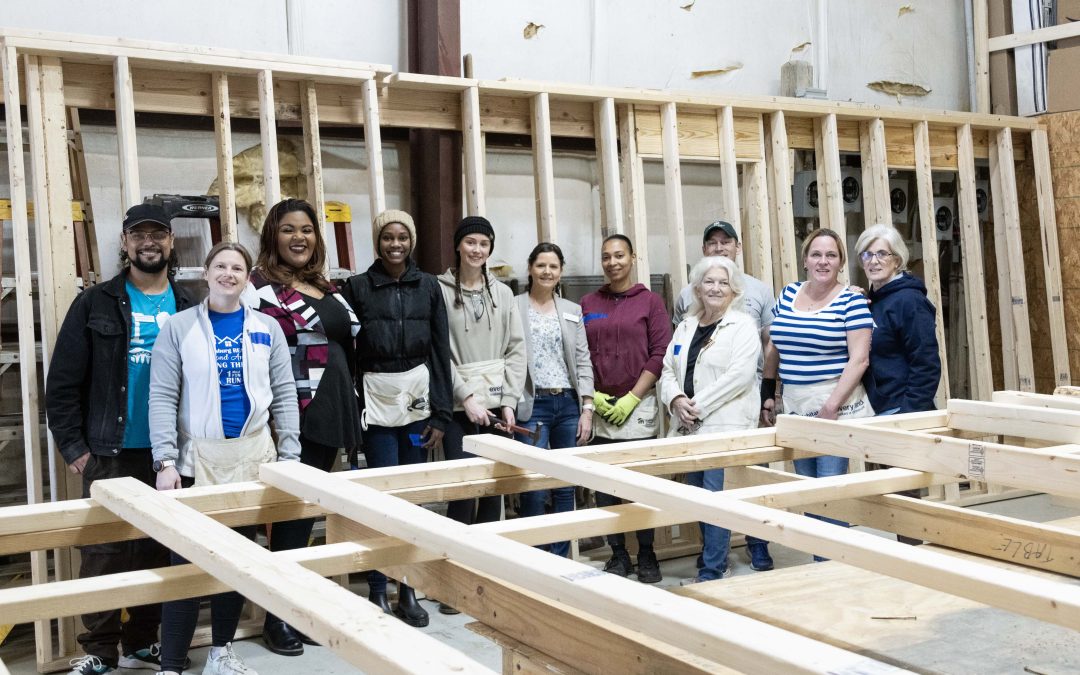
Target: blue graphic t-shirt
<point x="148" y="314"/>
<point x="229" y="337"/>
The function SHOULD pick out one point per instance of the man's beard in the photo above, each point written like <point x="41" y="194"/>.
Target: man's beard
<point x="150" y="267"/>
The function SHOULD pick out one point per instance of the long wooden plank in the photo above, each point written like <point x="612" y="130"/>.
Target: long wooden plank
<point x="877" y="205"/>
<point x="130" y="194"/>
<point x="760" y="239"/>
<point x="1051" y="254"/>
<point x="974" y="289"/>
<point x="1015" y="255"/>
<point x="731" y="639"/>
<point x="607" y="156"/>
<point x="980" y="25"/>
<point x="1033" y="37"/>
<point x="1041" y="546"/>
<point x="543" y="169"/>
<point x="780" y="198"/>
<point x="473" y="147"/>
<point x="373" y="144"/>
<point x="729" y="170"/>
<point x="673" y="198"/>
<point x="313" y="166"/>
<point x="1046" y="470"/>
<point x="224" y="153"/>
<point x="28" y="382"/>
<point x="268" y="137"/>
<point x="1011" y="419"/>
<point x="924" y="188"/>
<point x="827" y="152"/>
<point x="632" y="177"/>
<point x="56" y="280"/>
<point x="357" y="631"/>
<point x="1052" y="601"/>
<point x="1037" y="400"/>
<point x="1009" y="347"/>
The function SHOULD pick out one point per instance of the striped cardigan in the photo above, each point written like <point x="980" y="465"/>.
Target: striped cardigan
<point x="304" y="333"/>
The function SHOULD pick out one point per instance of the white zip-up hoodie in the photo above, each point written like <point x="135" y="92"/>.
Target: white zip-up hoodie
<point x="185" y="395"/>
<point x="725" y="376"/>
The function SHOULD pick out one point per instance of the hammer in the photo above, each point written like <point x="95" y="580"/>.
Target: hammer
<point x="501" y="425"/>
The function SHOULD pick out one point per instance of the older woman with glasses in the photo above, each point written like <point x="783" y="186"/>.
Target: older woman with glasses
<point x="709" y="377"/>
<point x="904" y="365"/>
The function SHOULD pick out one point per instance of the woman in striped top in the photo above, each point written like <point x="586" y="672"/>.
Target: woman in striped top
<point x="820" y="340"/>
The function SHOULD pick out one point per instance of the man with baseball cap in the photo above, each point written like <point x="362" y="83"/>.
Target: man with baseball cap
<point x="721" y="239"/>
<point x="96" y="397"/>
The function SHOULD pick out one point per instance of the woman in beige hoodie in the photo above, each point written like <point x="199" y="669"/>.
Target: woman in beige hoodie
<point x="487" y="350"/>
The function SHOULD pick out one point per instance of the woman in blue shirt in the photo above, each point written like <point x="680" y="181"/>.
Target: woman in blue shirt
<point x="219" y="371"/>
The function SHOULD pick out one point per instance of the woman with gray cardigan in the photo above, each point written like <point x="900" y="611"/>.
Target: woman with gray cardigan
<point x="559" y="382"/>
<point x="219" y="373"/>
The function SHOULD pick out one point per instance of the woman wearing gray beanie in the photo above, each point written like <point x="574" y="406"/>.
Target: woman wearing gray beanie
<point x="403" y="354"/>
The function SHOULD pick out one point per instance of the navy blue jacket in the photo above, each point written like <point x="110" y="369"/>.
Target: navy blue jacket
<point x="904" y="365"/>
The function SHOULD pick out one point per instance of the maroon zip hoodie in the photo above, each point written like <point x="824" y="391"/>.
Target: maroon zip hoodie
<point x="628" y="334"/>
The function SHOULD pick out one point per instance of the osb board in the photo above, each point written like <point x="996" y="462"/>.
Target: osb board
<point x="893" y="620"/>
<point x="698" y="136"/>
<point x="1063" y="136"/>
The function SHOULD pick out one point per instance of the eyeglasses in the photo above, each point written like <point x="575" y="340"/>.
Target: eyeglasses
<point x="867" y="256"/>
<point x="139" y="236"/>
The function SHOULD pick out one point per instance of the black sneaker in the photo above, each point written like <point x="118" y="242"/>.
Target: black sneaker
<point x="648" y="569"/>
<point x="760" y="560"/>
<point x="619" y="564"/>
<point x="147" y="658"/>
<point x="89" y="665"/>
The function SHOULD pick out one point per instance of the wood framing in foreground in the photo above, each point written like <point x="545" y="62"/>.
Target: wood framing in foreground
<point x="565" y="609"/>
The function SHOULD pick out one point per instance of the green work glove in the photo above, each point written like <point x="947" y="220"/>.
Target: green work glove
<point x="603" y="403"/>
<point x="620" y="412"/>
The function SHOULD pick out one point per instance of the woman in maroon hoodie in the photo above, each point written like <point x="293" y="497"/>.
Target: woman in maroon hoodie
<point x="629" y="331"/>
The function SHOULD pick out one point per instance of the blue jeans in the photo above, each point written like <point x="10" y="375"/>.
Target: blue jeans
<point x="819" y="467"/>
<point x="716" y="541"/>
<point x="392" y="446"/>
<point x="558" y="414"/>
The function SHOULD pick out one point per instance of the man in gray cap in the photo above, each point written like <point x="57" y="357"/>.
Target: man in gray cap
<point x="96" y="397"/>
<point x="721" y="239"/>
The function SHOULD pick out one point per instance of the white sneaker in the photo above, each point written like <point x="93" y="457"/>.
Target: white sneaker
<point x="225" y="663"/>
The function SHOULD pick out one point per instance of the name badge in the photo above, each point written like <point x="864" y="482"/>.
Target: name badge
<point x="571" y="317"/>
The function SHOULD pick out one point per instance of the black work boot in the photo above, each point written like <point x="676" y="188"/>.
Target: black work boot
<point x="620" y="563"/>
<point x="379" y="598"/>
<point x="408" y="609"/>
<point x="648" y="569"/>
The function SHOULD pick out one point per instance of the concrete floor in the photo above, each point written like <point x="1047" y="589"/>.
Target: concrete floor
<point x="17" y="651"/>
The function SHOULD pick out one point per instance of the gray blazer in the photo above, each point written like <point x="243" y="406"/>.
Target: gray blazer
<point x="575" y="351"/>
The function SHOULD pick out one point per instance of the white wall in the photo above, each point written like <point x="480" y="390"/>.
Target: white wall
<point x="657" y="44"/>
<point x="638" y="43"/>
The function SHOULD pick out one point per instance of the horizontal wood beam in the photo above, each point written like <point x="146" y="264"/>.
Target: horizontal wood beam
<point x="1034" y="37"/>
<point x="355" y="630"/>
<point x="1009" y="419"/>
<point x="1046" y="470"/>
<point x="737" y="641"/>
<point x="1039" y="598"/>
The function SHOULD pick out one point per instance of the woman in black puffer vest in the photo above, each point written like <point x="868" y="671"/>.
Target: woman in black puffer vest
<point x="403" y="355"/>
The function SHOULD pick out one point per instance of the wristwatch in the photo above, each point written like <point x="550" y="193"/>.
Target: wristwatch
<point x="160" y="464"/>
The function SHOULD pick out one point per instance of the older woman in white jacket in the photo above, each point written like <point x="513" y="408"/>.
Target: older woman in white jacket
<point x="709" y="379"/>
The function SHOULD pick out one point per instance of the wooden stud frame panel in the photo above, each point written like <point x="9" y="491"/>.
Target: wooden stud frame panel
<point x="859" y="497"/>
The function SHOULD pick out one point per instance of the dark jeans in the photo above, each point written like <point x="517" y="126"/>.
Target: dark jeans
<point x="104" y="631"/>
<point x="392" y="446"/>
<point x="715" y="540"/>
<point x="479" y="509"/>
<point x="293" y="534"/>
<point x="559" y="416"/>
<point x="617" y="541"/>
<point x="180" y="617"/>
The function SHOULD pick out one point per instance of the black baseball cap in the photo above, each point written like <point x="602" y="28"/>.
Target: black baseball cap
<point x="722" y="225"/>
<point x="147" y="213"/>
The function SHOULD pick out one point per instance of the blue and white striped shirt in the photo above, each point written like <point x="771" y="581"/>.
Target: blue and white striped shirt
<point x="813" y="345"/>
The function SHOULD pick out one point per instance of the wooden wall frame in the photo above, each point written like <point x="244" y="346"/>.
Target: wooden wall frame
<point x="515" y="576"/>
<point x="629" y="125"/>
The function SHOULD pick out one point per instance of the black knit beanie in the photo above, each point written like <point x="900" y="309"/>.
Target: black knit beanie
<point x="474" y="225"/>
